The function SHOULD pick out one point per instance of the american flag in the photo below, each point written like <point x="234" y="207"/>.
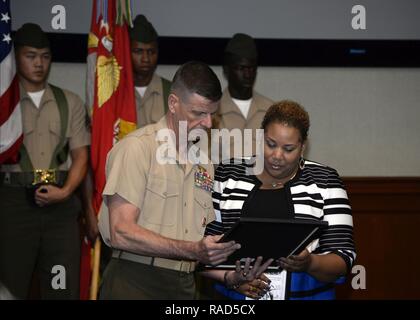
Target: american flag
<point x="11" y="136"/>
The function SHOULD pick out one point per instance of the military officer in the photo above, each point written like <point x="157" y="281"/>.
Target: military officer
<point x="157" y="202"/>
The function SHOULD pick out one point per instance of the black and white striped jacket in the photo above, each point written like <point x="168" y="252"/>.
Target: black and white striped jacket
<point x="316" y="192"/>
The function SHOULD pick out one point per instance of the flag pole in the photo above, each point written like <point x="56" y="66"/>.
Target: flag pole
<point x="94" y="284"/>
<point x="118" y="107"/>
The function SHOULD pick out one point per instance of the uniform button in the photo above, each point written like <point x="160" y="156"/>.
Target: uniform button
<point x="42" y="153"/>
<point x="186" y="230"/>
<point x="185" y="204"/>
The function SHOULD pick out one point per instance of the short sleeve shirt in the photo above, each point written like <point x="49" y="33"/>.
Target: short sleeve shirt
<point x="150" y="108"/>
<point x="171" y="201"/>
<point x="42" y="128"/>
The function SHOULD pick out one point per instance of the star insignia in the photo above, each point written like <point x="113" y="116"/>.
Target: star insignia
<point x="5" y="17"/>
<point x="6" y="37"/>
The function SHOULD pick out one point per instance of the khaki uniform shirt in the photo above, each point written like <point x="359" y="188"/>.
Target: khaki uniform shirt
<point x="42" y="128"/>
<point x="150" y="108"/>
<point x="170" y="202"/>
<point x="231" y="117"/>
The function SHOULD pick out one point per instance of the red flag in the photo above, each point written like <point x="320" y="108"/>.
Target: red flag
<point x="113" y="100"/>
<point x="11" y="134"/>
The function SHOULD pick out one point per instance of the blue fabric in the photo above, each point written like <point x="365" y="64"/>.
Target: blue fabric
<point x="231" y="294"/>
<point x="302" y="287"/>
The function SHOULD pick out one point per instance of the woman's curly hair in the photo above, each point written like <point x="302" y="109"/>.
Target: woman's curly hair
<point x="290" y="113"/>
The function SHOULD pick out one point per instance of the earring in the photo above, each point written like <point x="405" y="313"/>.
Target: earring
<point x="301" y="163"/>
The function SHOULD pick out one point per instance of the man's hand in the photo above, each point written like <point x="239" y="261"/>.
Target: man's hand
<point x="48" y="194"/>
<point x="209" y="251"/>
<point x="91" y="225"/>
<point x="299" y="263"/>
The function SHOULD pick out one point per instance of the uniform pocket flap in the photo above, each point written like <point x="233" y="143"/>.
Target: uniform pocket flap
<point x="162" y="187"/>
<point x="28" y="126"/>
<point x="203" y="198"/>
<point x="55" y="127"/>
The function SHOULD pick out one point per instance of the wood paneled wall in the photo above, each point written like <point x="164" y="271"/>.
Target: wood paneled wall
<point x="386" y="213"/>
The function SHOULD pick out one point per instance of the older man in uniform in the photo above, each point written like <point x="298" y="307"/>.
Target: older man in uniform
<point x="157" y="202"/>
<point x="151" y="90"/>
<point x="39" y="212"/>
<point x="241" y="106"/>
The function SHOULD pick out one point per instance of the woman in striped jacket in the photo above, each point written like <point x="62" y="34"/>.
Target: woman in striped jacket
<point x="288" y="187"/>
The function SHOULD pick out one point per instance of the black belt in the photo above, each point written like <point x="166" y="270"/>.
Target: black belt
<point x="26" y="179"/>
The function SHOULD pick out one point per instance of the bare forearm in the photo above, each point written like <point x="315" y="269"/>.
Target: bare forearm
<point x="86" y="190"/>
<point x="77" y="170"/>
<point x="127" y="235"/>
<point x="137" y="239"/>
<point x="327" y="268"/>
<point x="217" y="275"/>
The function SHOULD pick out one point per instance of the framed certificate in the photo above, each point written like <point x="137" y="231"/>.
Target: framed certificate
<point x="270" y="238"/>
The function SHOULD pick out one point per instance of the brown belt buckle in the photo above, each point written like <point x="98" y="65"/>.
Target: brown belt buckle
<point x="46" y="176"/>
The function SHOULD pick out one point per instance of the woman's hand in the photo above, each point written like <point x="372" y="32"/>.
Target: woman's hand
<point x="256" y="288"/>
<point x="299" y="263"/>
<point x="234" y="279"/>
<point x="325" y="268"/>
